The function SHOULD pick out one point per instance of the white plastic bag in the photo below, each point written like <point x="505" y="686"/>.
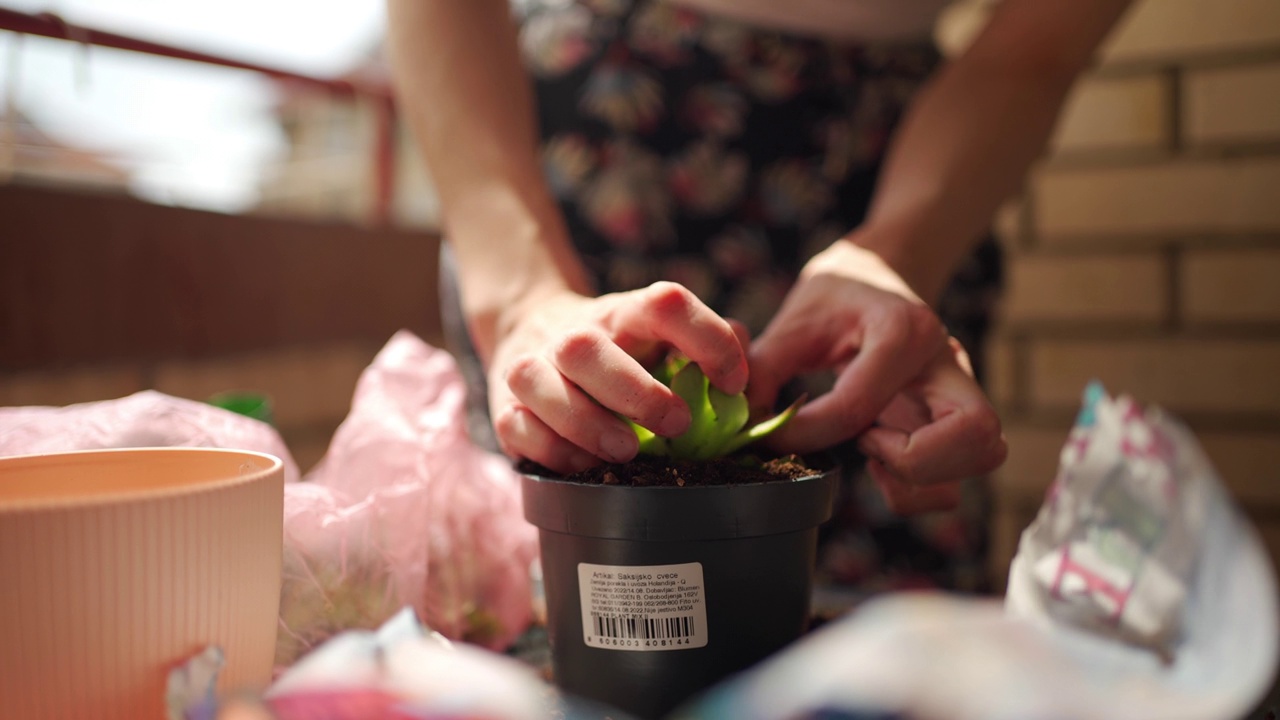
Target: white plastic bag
<point x="404" y="670"/>
<point x="1196" y="639"/>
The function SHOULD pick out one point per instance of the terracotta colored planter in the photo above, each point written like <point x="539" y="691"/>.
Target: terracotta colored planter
<point x="117" y="565"/>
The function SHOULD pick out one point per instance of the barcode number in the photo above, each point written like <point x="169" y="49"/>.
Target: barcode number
<point x="675" y="630"/>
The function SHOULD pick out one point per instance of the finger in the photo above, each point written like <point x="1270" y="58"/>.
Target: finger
<point x="779" y="354"/>
<point x="962" y="439"/>
<point x="897" y="346"/>
<point x="906" y="498"/>
<point x="569" y="411"/>
<point x="763" y="388"/>
<point x="590" y="360"/>
<point x="672" y="314"/>
<point x="243" y="710"/>
<point x="905" y="412"/>
<point x="522" y="435"/>
<point x="741" y="331"/>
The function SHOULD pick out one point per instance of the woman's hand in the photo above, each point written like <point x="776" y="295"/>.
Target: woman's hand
<point x="903" y="387"/>
<point x="565" y="364"/>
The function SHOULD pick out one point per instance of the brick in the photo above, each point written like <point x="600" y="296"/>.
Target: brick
<point x="1125" y="288"/>
<point x="1001" y="381"/>
<point x="1153" y="32"/>
<point x="959" y="23"/>
<point x="1032" y="463"/>
<point x="1233" y="105"/>
<point x="1018" y="490"/>
<point x="1246" y="462"/>
<point x="1182" y="198"/>
<point x="1007" y="224"/>
<point x="1162" y="30"/>
<point x="1185" y="375"/>
<point x="307" y="454"/>
<point x="1007" y="524"/>
<point x="307" y="387"/>
<point x="1269" y="533"/>
<point x="1130" y="113"/>
<point x="1231" y="286"/>
<point x="308" y="445"/>
<point x="58" y="388"/>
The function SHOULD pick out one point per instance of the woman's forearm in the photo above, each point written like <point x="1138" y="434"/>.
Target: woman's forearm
<point x="971" y="135"/>
<point x="468" y="101"/>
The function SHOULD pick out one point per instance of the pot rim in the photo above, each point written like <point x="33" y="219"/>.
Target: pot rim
<point x="667" y="513"/>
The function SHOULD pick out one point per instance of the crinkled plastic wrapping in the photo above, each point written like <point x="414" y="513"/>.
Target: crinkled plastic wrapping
<point x="1139" y="592"/>
<point x="144" y="419"/>
<point x="405" y="511"/>
<point x="400" y="671"/>
<point x="1114" y="545"/>
<point x="404" y="670"/>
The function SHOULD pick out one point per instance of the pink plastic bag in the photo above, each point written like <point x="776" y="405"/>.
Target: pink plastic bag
<point x="144" y="419"/>
<point x="405" y="511"/>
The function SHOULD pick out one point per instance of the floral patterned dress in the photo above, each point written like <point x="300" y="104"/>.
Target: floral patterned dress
<point x="722" y="156"/>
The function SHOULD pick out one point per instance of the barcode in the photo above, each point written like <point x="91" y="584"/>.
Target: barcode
<point x="640" y="627"/>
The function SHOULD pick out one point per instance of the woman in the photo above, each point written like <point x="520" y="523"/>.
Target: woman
<point x="810" y="170"/>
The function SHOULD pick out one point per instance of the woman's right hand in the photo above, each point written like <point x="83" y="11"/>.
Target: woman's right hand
<point x="564" y="364"/>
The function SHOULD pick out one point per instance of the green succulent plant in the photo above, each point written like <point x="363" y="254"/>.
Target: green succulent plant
<point x="719" y="420"/>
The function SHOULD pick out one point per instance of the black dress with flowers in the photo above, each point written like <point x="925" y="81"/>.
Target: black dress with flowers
<point x="722" y="156"/>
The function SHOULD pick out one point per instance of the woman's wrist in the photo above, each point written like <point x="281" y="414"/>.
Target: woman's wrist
<point x="511" y="247"/>
<point x="911" y="254"/>
<point x="503" y="274"/>
<point x="845" y="258"/>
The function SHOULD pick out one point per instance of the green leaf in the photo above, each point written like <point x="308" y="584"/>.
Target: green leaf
<point x="762" y="429"/>
<point x="730" y="415"/>
<point x="691" y="385"/>
<point x="650" y="442"/>
<point x="673" y="364"/>
<point x="717" y="419"/>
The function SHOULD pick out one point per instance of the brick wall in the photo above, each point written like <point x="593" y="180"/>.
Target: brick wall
<point x="101" y="297"/>
<point x="1146" y="252"/>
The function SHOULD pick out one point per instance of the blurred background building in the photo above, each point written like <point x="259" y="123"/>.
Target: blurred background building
<point x="28" y="155"/>
<point x="327" y="169"/>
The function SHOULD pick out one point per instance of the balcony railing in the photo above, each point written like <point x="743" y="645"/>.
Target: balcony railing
<point x="380" y="95"/>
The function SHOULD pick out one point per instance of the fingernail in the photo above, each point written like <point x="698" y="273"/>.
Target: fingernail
<point x="867" y="446"/>
<point x="675" y="422"/>
<point x="738" y="381"/>
<point x="618" y="444"/>
<point x="733" y="378"/>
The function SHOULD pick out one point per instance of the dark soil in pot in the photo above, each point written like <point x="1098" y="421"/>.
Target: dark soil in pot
<point x="653" y="471"/>
<point x="664" y="577"/>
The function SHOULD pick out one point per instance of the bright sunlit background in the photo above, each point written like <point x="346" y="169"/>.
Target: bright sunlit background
<point x="185" y="133"/>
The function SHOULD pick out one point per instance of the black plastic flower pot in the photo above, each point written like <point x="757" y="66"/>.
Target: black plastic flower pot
<point x="656" y="593"/>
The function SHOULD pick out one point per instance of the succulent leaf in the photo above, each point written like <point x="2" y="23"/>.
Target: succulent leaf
<point x="718" y="420"/>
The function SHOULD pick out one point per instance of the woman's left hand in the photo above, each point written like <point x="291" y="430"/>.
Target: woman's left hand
<point x="904" y="388"/>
